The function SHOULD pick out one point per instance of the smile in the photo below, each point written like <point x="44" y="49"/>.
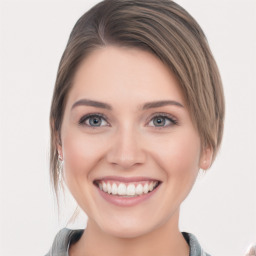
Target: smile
<point x="131" y="189"/>
<point x="126" y="191"/>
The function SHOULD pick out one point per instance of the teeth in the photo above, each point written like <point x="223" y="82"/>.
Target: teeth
<point x="121" y="189"/>
<point x="151" y="186"/>
<point x="130" y="190"/>
<point x="139" y="189"/>
<point x="114" y="189"/>
<point x="109" y="188"/>
<point x="145" y="188"/>
<point x="105" y="189"/>
<point x="127" y="190"/>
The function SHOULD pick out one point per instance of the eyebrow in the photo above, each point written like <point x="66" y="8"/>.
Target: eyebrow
<point x="92" y="103"/>
<point x="148" y="105"/>
<point x="157" y="104"/>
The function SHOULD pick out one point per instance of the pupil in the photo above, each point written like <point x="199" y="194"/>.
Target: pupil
<point x="159" y="121"/>
<point x="95" y="121"/>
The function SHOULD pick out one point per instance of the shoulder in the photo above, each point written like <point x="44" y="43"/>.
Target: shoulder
<point x="62" y="241"/>
<point x="195" y="248"/>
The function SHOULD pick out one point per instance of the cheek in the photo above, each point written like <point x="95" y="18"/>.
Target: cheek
<point x="179" y="160"/>
<point x="179" y="155"/>
<point x="80" y="154"/>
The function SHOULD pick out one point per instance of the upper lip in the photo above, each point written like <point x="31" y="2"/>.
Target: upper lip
<point x="126" y="179"/>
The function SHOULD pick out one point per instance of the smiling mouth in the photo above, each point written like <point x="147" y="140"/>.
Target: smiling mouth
<point x="126" y="189"/>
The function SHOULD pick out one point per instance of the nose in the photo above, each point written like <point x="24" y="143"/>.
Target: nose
<point x="126" y="149"/>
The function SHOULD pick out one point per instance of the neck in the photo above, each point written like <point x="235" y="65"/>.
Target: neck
<point x="164" y="240"/>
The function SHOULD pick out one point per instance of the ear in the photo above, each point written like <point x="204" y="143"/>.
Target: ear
<point x="206" y="158"/>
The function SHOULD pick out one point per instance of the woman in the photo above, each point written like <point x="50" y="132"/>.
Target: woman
<point x="137" y="110"/>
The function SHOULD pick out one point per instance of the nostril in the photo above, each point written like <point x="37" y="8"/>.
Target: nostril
<point x="126" y="152"/>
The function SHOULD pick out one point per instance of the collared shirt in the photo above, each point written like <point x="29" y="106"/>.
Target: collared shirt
<point x="65" y="237"/>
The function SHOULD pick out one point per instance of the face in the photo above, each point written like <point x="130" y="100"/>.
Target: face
<point x="131" y="152"/>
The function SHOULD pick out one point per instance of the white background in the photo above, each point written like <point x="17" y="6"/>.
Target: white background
<point x="220" y="211"/>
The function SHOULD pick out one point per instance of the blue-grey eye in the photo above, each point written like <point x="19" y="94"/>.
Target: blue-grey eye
<point x="162" y="121"/>
<point x="159" y="121"/>
<point x="93" y="121"/>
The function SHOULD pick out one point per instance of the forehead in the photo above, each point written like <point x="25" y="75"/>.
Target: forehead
<point x="127" y="75"/>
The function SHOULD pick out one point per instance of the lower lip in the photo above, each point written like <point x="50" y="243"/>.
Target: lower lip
<point x="127" y="201"/>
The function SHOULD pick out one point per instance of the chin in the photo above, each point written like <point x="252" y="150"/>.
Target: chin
<point x="127" y="232"/>
<point x="131" y="227"/>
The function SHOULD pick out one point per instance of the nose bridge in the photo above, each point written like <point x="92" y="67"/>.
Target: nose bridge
<point x="126" y="149"/>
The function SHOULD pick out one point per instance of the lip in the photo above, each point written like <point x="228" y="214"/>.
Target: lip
<point x="126" y="179"/>
<point x="126" y="201"/>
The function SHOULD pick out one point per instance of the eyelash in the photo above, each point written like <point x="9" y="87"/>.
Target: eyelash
<point x="87" y="117"/>
<point x="168" y="117"/>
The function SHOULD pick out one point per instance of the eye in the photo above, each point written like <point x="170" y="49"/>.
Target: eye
<point x="93" y="120"/>
<point x="162" y="120"/>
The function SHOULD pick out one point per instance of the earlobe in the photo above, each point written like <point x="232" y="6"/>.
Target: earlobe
<point x="60" y="154"/>
<point x="206" y="158"/>
<point x="58" y="146"/>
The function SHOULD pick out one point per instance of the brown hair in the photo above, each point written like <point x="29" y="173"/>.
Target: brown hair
<point x="166" y="30"/>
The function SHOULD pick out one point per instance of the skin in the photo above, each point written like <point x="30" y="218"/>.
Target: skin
<point x="129" y="144"/>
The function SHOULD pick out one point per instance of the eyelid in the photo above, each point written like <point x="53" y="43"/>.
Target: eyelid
<point x="172" y="119"/>
<point x="85" y="117"/>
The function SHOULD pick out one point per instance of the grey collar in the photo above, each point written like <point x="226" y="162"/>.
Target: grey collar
<point x="67" y="236"/>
